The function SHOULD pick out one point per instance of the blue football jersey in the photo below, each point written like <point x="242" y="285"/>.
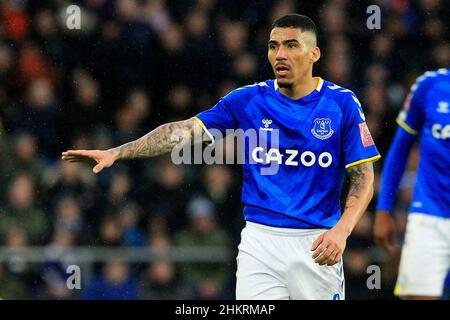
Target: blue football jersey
<point x="426" y="113"/>
<point x="318" y="136"/>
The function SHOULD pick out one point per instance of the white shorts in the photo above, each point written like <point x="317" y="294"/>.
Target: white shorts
<point x="425" y="258"/>
<point x="277" y="264"/>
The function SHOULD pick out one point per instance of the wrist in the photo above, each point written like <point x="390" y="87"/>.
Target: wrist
<point x="115" y="153"/>
<point x="345" y="227"/>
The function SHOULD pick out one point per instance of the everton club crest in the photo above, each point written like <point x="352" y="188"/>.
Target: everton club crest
<point x="322" y="128"/>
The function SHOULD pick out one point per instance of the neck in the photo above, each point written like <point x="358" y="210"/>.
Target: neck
<point x="301" y="88"/>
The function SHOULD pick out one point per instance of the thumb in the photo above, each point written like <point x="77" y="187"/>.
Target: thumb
<point x="97" y="168"/>
<point x="317" y="242"/>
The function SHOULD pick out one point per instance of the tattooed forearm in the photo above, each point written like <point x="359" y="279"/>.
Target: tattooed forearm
<point x="361" y="182"/>
<point x="359" y="195"/>
<point x="160" y="141"/>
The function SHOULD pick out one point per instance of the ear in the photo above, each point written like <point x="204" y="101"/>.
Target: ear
<point x="315" y="55"/>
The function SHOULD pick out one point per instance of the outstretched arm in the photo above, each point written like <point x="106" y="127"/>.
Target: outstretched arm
<point x="157" y="142"/>
<point x="329" y="247"/>
<point x="160" y="141"/>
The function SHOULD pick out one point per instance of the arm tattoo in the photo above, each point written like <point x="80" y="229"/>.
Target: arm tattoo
<point x="358" y="181"/>
<point x="161" y="140"/>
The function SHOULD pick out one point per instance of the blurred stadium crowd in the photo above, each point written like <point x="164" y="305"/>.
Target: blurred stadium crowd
<point x="135" y="64"/>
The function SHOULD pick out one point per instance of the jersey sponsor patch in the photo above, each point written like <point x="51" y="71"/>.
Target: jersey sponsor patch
<point x="366" y="137"/>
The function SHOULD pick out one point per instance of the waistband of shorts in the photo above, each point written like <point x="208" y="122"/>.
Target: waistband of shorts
<point x="283" y="231"/>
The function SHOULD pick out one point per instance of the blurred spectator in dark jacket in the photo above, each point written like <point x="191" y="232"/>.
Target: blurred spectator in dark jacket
<point x="13" y="287"/>
<point x="54" y="272"/>
<point x="160" y="281"/>
<point x="129" y="215"/>
<point x="114" y="283"/>
<point x="22" y="210"/>
<point x="110" y="231"/>
<point x="203" y="231"/>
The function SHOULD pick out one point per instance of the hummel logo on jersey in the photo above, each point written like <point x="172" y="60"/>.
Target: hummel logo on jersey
<point x="322" y="128"/>
<point x="443" y="107"/>
<point x="267" y="123"/>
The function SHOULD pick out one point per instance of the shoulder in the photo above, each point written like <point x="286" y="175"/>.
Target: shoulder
<point x="246" y="93"/>
<point x="344" y="98"/>
<point x="429" y="78"/>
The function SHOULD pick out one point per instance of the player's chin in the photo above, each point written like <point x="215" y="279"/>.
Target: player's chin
<point x="284" y="82"/>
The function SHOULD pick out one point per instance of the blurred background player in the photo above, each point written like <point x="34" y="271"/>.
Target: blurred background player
<point x="425" y="258"/>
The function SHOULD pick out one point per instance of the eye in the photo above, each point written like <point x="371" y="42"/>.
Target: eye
<point x="271" y="46"/>
<point x="292" y="45"/>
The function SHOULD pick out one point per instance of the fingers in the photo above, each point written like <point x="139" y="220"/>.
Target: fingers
<point x="330" y="256"/>
<point x="325" y="252"/>
<point x="387" y="241"/>
<point x="87" y="156"/>
<point x="324" y="258"/>
<point x="97" y="168"/>
<point x="317" y="242"/>
<point x="71" y="158"/>
<point x="320" y="249"/>
<point x="83" y="153"/>
<point x="334" y="258"/>
<point x="390" y="248"/>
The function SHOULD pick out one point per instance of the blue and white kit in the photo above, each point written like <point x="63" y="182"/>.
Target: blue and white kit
<point x="319" y="136"/>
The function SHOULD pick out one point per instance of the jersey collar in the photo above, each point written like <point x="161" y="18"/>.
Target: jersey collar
<point x="318" y="87"/>
<point x="304" y="100"/>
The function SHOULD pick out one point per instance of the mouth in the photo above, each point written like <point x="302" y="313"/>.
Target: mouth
<point x="282" y="70"/>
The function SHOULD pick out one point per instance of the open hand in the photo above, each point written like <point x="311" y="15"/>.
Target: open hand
<point x="99" y="159"/>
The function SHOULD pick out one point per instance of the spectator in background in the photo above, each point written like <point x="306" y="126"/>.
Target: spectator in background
<point x="169" y="192"/>
<point x="110" y="232"/>
<point x="114" y="283"/>
<point x="22" y="210"/>
<point x="69" y="217"/>
<point x="42" y="117"/>
<point x="219" y="185"/>
<point x="129" y="216"/>
<point x="84" y="110"/>
<point x="24" y="157"/>
<point x="16" y="239"/>
<point x="208" y="279"/>
<point x="54" y="271"/>
<point x="158" y="238"/>
<point x="13" y="287"/>
<point x="119" y="188"/>
<point x="160" y="281"/>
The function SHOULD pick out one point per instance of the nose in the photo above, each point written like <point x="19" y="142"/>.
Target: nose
<point x="281" y="54"/>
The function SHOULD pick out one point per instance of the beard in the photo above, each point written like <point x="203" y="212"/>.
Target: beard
<point x="284" y="83"/>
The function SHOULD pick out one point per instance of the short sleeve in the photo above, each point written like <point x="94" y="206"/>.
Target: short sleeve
<point x="224" y="115"/>
<point x="411" y="116"/>
<point x="358" y="145"/>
